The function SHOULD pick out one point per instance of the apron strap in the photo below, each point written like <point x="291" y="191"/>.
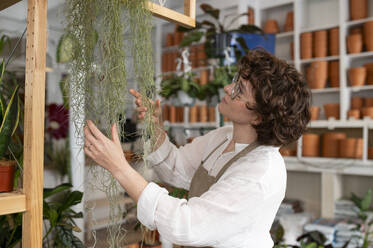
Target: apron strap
<point x="203" y="161"/>
<point x="242" y="153"/>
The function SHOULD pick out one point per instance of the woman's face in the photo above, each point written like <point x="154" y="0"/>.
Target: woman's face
<point x="235" y="109"/>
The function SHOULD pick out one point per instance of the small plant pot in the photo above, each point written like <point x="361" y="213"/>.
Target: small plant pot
<point x="170" y="40"/>
<point x="353" y="114"/>
<point x="369" y="79"/>
<point x="354" y="43"/>
<point x="306" y="45"/>
<point x="193" y="114"/>
<point x="368" y="102"/>
<point x="359" y="148"/>
<point x="330" y="143"/>
<point x="203" y="113"/>
<point x="311" y="145"/>
<point x="357" y="76"/>
<point x="271" y="27"/>
<point x="212" y="115"/>
<point x="185" y="99"/>
<point x="204" y="79"/>
<point x="358" y="9"/>
<point x="334" y="74"/>
<point x="165" y="113"/>
<point x="315" y="111"/>
<point x="320" y="74"/>
<point x="172" y="114"/>
<point x="334" y="41"/>
<point x="357" y="102"/>
<point x="332" y="110"/>
<point x="370" y="152"/>
<point x="7" y="169"/>
<point x="367" y="112"/>
<point x="320" y="44"/>
<point x="348" y="148"/>
<point x="368" y="35"/>
<point x="289" y="23"/>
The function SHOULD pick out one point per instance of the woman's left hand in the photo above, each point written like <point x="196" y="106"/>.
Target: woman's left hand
<point x="104" y="151"/>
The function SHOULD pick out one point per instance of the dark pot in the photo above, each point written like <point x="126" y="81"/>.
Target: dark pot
<point x="219" y="42"/>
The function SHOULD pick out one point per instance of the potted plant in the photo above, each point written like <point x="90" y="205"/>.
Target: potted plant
<point x="9" y="119"/>
<point x="218" y="36"/>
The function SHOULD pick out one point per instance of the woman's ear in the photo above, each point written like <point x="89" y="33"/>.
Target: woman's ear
<point x="256" y="120"/>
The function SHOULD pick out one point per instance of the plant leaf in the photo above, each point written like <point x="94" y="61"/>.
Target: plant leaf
<point x="53" y="217"/>
<point x="8" y="121"/>
<point x="191" y="37"/>
<point x="67" y="238"/>
<point x="71" y="199"/>
<point x="365" y="203"/>
<point x="208" y="9"/>
<point x="52" y="191"/>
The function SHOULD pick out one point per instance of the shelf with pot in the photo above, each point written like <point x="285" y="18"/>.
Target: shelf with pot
<point x="319" y="28"/>
<point x="358" y="22"/>
<point x="275" y="4"/>
<point x="328" y="58"/>
<point x="288" y="34"/>
<point x="325" y="90"/>
<point x="360" y="55"/>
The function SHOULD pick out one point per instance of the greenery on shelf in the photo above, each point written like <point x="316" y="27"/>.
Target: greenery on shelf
<point x="174" y="83"/>
<point x="208" y="30"/>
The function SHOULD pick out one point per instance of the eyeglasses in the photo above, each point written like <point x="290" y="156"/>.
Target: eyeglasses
<point x="236" y="90"/>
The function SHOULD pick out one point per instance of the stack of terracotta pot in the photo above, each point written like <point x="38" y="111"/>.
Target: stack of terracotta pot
<point x="315" y="111"/>
<point x="368" y="35"/>
<point x="320" y="44"/>
<point x="361" y="107"/>
<point x="358" y="9"/>
<point x="172" y="114"/>
<point x="330" y="144"/>
<point x="250" y="16"/>
<point x="357" y="76"/>
<point x="370" y="152"/>
<point x="306" y="45"/>
<point x="355" y="41"/>
<point x="369" y="68"/>
<point x="334" y="41"/>
<point x="317" y="74"/>
<point x="271" y="27"/>
<point x="202" y="113"/>
<point x="311" y="145"/>
<point x="289" y="23"/>
<point x="351" y="148"/>
<point x="331" y="111"/>
<point x="334" y="74"/>
<point x="169" y="60"/>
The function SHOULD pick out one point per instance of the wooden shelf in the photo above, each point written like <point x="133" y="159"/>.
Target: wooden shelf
<point x="7" y="3"/>
<point x="13" y="202"/>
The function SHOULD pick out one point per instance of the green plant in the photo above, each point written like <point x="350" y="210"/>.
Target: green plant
<point x="208" y="29"/>
<point x="10" y="230"/>
<point x="171" y="85"/>
<point x="60" y="216"/>
<point x="363" y="205"/>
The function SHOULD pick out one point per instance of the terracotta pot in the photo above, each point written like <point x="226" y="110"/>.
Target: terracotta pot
<point x="289" y="23"/>
<point x="320" y="44"/>
<point x="332" y="110"/>
<point x="292" y="50"/>
<point x="357" y="30"/>
<point x="172" y="114"/>
<point x="356" y="102"/>
<point x="151" y="246"/>
<point x="212" y="112"/>
<point x="347" y="148"/>
<point x="178" y="37"/>
<point x="165" y="113"/>
<point x="369" y="68"/>
<point x="330" y="143"/>
<point x="250" y="16"/>
<point x="368" y="35"/>
<point x="359" y="148"/>
<point x="311" y="145"/>
<point x="180" y="113"/>
<point x="193" y="114"/>
<point x="368" y="102"/>
<point x="334" y="74"/>
<point x="203" y="113"/>
<point x="357" y="76"/>
<point x="354" y="114"/>
<point x="201" y="55"/>
<point x="132" y="246"/>
<point x="169" y="39"/>
<point x="370" y="152"/>
<point x="315" y="111"/>
<point x="354" y="43"/>
<point x="319" y="74"/>
<point x="367" y="112"/>
<point x="204" y="77"/>
<point x="7" y="169"/>
<point x="334" y="41"/>
<point x="358" y="9"/>
<point x="271" y="27"/>
<point x="306" y="45"/>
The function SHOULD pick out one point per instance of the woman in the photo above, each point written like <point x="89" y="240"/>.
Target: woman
<point x="236" y="176"/>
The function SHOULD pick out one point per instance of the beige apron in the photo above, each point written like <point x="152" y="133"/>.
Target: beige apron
<point x="201" y="181"/>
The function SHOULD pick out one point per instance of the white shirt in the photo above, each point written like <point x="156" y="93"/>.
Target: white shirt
<point x="237" y="211"/>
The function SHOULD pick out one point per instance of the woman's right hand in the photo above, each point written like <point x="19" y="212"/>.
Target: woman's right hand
<point x="141" y="109"/>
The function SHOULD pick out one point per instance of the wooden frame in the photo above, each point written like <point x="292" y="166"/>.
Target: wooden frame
<point x="30" y="201"/>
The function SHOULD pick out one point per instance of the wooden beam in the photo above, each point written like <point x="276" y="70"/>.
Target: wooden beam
<point x="190" y="8"/>
<point x="36" y="46"/>
<point x="186" y="20"/>
<point x="7" y="3"/>
<point x="10" y="203"/>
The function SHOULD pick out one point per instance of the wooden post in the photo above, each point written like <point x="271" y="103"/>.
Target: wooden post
<point x="190" y="8"/>
<point x="36" y="44"/>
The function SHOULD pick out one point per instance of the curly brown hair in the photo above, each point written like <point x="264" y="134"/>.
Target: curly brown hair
<point x="281" y="94"/>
